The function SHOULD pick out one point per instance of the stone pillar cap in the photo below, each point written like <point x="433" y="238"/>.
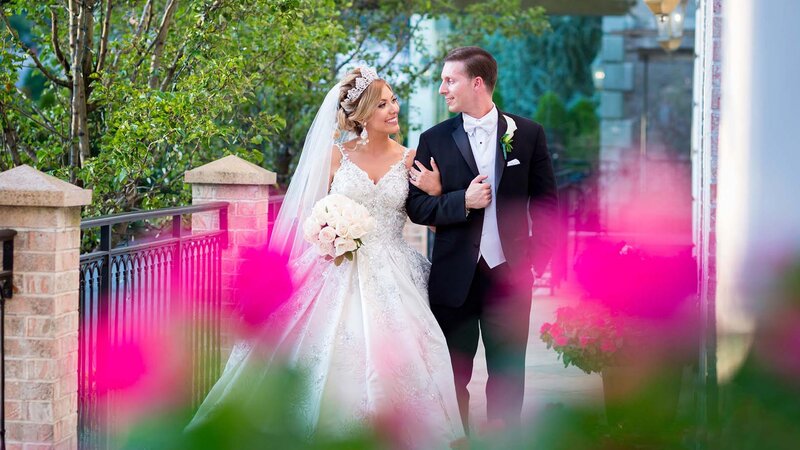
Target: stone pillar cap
<point x="230" y="170"/>
<point x="26" y="186"/>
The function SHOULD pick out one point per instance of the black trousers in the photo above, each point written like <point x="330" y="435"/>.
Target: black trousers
<point x="499" y="305"/>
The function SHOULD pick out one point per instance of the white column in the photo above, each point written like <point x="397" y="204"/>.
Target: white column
<point x="759" y="184"/>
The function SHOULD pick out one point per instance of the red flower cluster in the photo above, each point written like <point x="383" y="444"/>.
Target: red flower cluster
<point x="588" y="337"/>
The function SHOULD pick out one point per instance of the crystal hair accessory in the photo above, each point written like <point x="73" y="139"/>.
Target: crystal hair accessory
<point x="368" y="75"/>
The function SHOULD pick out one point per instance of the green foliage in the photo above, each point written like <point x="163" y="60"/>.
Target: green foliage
<point x="380" y="34"/>
<point x="148" y="126"/>
<point x="574" y="131"/>
<point x="542" y="75"/>
<point x="259" y="417"/>
<point x="558" y="61"/>
<point x="552" y="113"/>
<point x="233" y="77"/>
<point x="583" y="139"/>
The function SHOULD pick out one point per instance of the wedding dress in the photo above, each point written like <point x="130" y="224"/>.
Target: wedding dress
<point x="363" y="331"/>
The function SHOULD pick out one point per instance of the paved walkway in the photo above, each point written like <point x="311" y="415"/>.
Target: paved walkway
<point x="547" y="380"/>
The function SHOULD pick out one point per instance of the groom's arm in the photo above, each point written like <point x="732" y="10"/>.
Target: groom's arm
<point x="424" y="209"/>
<point x="543" y="194"/>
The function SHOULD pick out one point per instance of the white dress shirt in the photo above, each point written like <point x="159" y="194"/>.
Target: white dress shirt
<point x="482" y="134"/>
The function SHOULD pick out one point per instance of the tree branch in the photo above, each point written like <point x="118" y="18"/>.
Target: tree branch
<point x="144" y="24"/>
<point x="45" y="123"/>
<point x="366" y="34"/>
<point x="9" y="136"/>
<point x="171" y="71"/>
<point x="32" y="54"/>
<point x="54" y="38"/>
<point x="401" y="45"/>
<point x="160" y="42"/>
<point x="101" y="59"/>
<point x="87" y="7"/>
<point x="80" y="33"/>
<point x="353" y="54"/>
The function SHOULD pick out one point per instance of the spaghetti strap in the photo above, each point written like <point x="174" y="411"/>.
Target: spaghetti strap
<point x="405" y="153"/>
<point x="341" y="150"/>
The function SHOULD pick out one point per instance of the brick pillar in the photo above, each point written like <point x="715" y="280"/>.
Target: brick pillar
<point x="41" y="320"/>
<point x="245" y="186"/>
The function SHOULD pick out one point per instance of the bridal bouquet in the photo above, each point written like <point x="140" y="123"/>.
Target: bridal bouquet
<point x="336" y="227"/>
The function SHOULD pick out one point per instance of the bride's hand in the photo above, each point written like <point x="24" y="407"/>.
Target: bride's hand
<point x="429" y="181"/>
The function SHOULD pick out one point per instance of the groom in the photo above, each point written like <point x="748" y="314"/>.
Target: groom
<point x="494" y="222"/>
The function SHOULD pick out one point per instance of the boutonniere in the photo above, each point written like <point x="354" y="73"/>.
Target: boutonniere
<point x="505" y="141"/>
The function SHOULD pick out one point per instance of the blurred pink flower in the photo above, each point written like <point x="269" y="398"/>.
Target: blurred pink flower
<point x="561" y="340"/>
<point x="545" y="328"/>
<point x="262" y="285"/>
<point x="585" y="340"/>
<point x="147" y="372"/>
<point x="607" y="345"/>
<point x="124" y="366"/>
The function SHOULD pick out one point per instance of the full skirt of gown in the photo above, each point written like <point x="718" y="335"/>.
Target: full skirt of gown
<point x="362" y="332"/>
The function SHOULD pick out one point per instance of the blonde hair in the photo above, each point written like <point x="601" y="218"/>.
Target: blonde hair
<point x="352" y="115"/>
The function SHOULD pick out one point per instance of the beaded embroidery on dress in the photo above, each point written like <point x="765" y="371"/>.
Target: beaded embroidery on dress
<point x="363" y="331"/>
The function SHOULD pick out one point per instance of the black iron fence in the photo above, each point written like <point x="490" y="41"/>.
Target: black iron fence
<point x="6" y="291"/>
<point x="140" y="286"/>
<point x="570" y="204"/>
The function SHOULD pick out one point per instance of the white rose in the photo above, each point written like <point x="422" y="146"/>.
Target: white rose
<point x="332" y="218"/>
<point x="325" y="249"/>
<point x="327" y="235"/>
<point x="318" y="212"/>
<point x="344" y="245"/>
<point x="357" y="230"/>
<point x="353" y="212"/>
<point x="311" y="229"/>
<point x="343" y="229"/>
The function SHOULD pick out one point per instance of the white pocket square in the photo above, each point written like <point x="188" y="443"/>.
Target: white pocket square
<point x="513" y="162"/>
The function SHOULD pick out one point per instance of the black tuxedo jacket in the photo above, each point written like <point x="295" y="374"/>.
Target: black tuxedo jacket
<point x="526" y="205"/>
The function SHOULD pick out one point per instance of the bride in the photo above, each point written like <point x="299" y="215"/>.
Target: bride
<point x="361" y="331"/>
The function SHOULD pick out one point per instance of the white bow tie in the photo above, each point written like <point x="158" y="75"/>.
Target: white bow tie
<point x="471" y="124"/>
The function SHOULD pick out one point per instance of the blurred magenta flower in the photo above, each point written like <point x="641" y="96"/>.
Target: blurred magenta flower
<point x="148" y="371"/>
<point x="629" y="280"/>
<point x="262" y="284"/>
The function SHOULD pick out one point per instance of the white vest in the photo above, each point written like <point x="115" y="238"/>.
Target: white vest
<point x="484" y="149"/>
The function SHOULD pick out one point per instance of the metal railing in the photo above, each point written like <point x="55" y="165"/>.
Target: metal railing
<point x="139" y="287"/>
<point x="569" y="183"/>
<point x="6" y="291"/>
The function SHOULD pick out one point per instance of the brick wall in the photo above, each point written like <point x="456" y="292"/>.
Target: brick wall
<point x="41" y="320"/>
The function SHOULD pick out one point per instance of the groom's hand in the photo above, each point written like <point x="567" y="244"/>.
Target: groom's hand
<point x="479" y="194"/>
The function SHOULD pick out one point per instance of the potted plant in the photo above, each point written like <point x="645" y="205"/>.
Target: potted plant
<point x="587" y="337"/>
<point x="636" y="327"/>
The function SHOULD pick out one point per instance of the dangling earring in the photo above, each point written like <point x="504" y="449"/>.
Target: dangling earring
<point x="364" y="136"/>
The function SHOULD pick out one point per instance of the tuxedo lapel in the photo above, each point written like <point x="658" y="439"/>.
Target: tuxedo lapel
<point x="499" y="159"/>
<point x="462" y="141"/>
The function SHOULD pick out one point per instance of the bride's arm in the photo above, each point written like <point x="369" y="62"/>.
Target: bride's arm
<point x="336" y="161"/>
<point x="445" y="209"/>
<point x="428" y="181"/>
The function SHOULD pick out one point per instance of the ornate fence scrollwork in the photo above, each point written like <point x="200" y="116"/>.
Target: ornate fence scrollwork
<point x="133" y="284"/>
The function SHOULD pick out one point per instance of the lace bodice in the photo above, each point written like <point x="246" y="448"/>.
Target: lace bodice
<point x="385" y="199"/>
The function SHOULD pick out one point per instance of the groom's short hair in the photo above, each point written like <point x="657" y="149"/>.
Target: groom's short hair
<point x="477" y="62"/>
